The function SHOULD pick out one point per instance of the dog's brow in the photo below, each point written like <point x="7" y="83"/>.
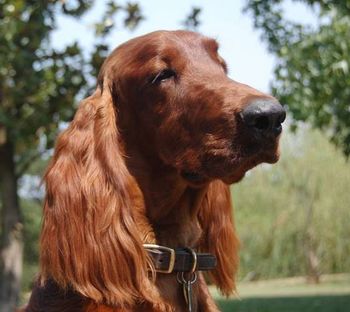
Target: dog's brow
<point x="223" y="64"/>
<point x="212" y="46"/>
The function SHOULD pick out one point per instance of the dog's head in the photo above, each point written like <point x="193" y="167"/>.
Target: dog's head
<point x="174" y="89"/>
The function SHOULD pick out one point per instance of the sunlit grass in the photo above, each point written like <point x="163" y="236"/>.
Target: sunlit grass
<point x="290" y="295"/>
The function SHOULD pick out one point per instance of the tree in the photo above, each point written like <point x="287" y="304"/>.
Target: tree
<point x="312" y="72"/>
<point x="38" y="86"/>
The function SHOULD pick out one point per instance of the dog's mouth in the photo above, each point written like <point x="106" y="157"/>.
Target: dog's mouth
<point x="250" y="158"/>
<point x="233" y="167"/>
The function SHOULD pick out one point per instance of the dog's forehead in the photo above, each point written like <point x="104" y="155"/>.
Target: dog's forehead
<point x="165" y="43"/>
<point x="149" y="51"/>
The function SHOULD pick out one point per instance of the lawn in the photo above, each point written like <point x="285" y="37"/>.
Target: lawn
<point x="290" y="295"/>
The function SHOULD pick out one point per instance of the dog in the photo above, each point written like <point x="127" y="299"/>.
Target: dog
<point x="137" y="206"/>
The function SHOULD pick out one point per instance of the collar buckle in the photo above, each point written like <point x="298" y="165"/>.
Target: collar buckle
<point x="153" y="247"/>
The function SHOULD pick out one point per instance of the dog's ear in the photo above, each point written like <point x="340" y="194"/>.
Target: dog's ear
<point x="90" y="240"/>
<point x="219" y="237"/>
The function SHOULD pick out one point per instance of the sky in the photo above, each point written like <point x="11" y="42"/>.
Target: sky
<point x="240" y="45"/>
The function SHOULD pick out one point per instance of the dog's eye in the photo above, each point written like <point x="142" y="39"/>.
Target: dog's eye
<point x="163" y="75"/>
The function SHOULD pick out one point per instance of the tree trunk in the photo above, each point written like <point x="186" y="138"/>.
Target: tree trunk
<point x="11" y="244"/>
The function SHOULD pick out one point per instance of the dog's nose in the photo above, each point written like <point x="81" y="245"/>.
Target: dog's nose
<point x="265" y="116"/>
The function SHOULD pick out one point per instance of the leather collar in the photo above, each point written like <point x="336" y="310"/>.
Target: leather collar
<point x="168" y="260"/>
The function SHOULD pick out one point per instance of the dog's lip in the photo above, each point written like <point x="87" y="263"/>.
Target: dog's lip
<point x="247" y="162"/>
<point x="233" y="168"/>
<point x="266" y="151"/>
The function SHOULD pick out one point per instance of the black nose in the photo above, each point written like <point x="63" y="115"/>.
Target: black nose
<point x="265" y="116"/>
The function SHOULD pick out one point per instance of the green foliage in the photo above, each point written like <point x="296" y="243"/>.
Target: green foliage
<point x="39" y="84"/>
<point x="299" y="205"/>
<point x="312" y="72"/>
<point x="192" y="21"/>
<point x="131" y="20"/>
<point x="32" y="212"/>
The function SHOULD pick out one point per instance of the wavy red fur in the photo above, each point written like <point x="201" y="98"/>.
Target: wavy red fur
<point x="145" y="160"/>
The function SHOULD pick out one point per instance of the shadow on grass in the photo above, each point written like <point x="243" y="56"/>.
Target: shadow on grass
<point x="335" y="303"/>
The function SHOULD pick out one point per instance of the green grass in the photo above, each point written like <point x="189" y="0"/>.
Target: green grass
<point x="334" y="303"/>
<point x="290" y="295"/>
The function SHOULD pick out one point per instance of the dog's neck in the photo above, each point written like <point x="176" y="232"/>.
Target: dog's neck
<point x="171" y="205"/>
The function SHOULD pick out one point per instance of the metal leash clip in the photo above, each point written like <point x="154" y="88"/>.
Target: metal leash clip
<point x="187" y="279"/>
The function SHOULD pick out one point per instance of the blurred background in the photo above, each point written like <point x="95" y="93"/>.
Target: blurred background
<point x="293" y="218"/>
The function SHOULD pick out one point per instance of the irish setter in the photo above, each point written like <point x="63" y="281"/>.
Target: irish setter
<point x="148" y="159"/>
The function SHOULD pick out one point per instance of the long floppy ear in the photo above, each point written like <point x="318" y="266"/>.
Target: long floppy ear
<point x="219" y="237"/>
<point x="90" y="240"/>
